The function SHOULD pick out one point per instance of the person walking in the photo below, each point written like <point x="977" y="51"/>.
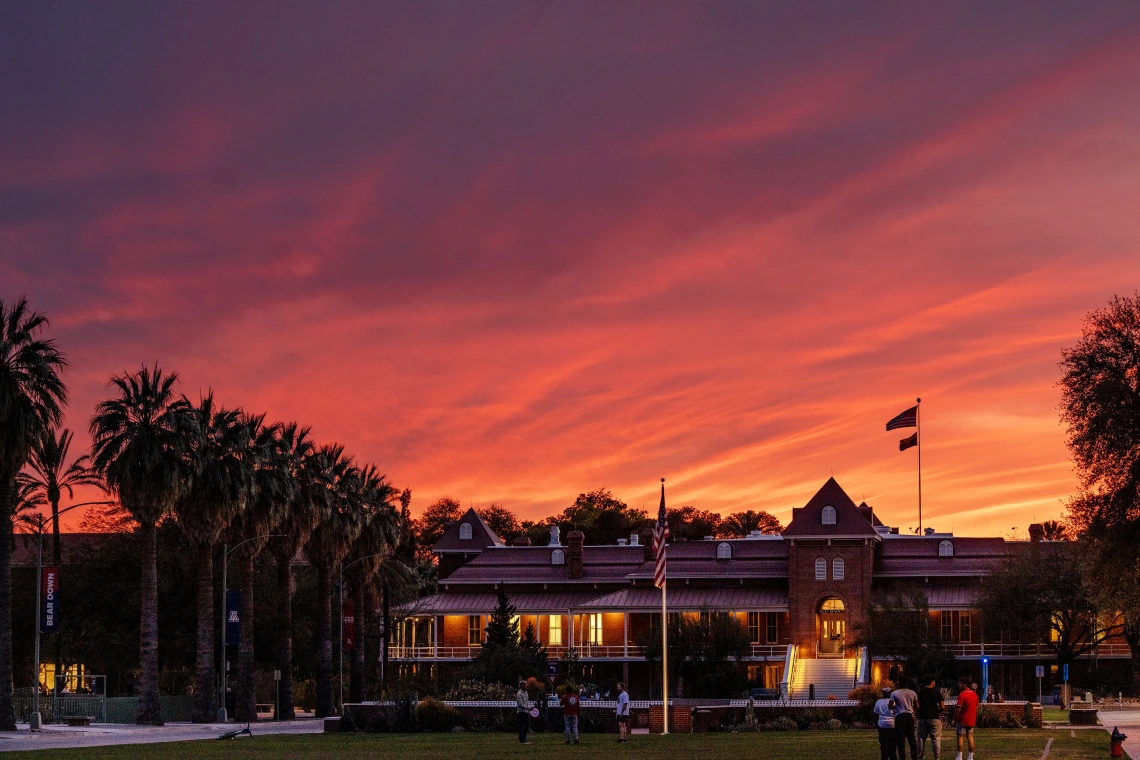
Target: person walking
<point x="885" y="712"/>
<point x="905" y="703"/>
<point x="622" y="713"/>
<point x="930" y="709"/>
<point x="570" y="704"/>
<point x="965" y="718"/>
<point x="522" y="712"/>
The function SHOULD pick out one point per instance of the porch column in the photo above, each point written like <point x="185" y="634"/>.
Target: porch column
<point x="435" y="621"/>
<point x="570" y="619"/>
<point x="625" y="638"/>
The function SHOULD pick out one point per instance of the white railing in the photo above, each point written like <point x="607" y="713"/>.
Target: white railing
<point x="584" y="651"/>
<point x="977" y="651"/>
<point x="789" y="668"/>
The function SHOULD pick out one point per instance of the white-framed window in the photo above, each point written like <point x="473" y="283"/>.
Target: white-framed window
<point x="773" y="627"/>
<point x="946" y="549"/>
<point x="837" y="569"/>
<point x="724" y="550"/>
<point x="474" y="630"/>
<point x="465" y="531"/>
<point x="554" y="631"/>
<point x="593" y="628"/>
<point x="829" y="515"/>
<point x="558" y="557"/>
<point x="821" y="569"/>
<point x="964" y="626"/>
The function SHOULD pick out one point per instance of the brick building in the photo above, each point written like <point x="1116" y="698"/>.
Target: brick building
<point x="801" y="595"/>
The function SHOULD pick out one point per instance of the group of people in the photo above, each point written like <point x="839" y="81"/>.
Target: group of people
<point x="909" y="719"/>
<point x="571" y="705"/>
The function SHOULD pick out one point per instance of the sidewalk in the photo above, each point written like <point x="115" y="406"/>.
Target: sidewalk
<point x="105" y="734"/>
<point x="1129" y="723"/>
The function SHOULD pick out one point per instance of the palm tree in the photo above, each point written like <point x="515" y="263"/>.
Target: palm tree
<point x="215" y="441"/>
<point x="379" y="533"/>
<point x="306" y="510"/>
<point x="32" y="395"/>
<point x="327" y="547"/>
<point x="271" y="488"/>
<point x="138" y="448"/>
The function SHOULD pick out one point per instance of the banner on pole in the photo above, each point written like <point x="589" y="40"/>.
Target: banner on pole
<point x="349" y="613"/>
<point x="49" y="617"/>
<point x="233" y="617"/>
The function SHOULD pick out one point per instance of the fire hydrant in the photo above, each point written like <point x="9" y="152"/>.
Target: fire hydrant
<point x="1117" y="742"/>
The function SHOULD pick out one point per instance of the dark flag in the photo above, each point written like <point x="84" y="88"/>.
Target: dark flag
<point x="660" y="535"/>
<point x="906" y="443"/>
<point x="909" y="418"/>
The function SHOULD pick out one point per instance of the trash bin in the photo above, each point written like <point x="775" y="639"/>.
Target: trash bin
<point x="1116" y="742"/>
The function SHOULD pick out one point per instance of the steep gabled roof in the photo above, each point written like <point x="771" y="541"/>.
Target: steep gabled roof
<point x="481" y="535"/>
<point x="849" y="521"/>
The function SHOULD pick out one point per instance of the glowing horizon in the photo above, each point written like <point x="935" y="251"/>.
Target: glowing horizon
<point x="513" y="254"/>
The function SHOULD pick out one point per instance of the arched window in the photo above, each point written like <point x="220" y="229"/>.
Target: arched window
<point x="829" y="515"/>
<point x="837" y="569"/>
<point x="464" y="531"/>
<point x="724" y="550"/>
<point x="946" y="549"/>
<point x="558" y="557"/>
<point x="821" y="569"/>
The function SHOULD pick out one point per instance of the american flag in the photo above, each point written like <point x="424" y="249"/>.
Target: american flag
<point x="906" y="419"/>
<point x="660" y="536"/>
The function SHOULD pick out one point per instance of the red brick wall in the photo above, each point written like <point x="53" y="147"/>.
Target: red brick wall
<point x="806" y="594"/>
<point x="680" y="719"/>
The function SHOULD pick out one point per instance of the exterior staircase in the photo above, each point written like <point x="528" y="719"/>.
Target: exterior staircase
<point x="833" y="677"/>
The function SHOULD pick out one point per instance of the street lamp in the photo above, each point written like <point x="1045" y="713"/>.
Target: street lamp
<point x="226" y="552"/>
<point x="35" y="720"/>
<point x="341" y="647"/>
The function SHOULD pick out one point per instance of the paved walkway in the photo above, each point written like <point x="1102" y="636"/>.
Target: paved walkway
<point x="1129" y="723"/>
<point x="104" y="734"/>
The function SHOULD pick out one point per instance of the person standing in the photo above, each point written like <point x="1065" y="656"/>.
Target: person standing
<point x="965" y="718"/>
<point x="905" y="702"/>
<point x="522" y="712"/>
<point x="885" y="712"/>
<point x="622" y="713"/>
<point x="570" y="705"/>
<point x="930" y="709"/>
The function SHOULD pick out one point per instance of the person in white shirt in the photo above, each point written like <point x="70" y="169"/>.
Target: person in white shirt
<point x="622" y="713"/>
<point x="885" y="713"/>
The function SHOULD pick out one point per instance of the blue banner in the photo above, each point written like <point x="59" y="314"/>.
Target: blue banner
<point x="233" y="617"/>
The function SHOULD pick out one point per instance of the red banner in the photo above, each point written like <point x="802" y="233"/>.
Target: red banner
<point x="349" y="626"/>
<point x="49" y="601"/>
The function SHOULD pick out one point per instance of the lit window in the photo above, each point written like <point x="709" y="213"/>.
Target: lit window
<point x="837" y="569"/>
<point x="773" y="628"/>
<point x="594" y="628"/>
<point x="464" y="531"/>
<point x="724" y="551"/>
<point x="964" y="626"/>
<point x="554" y="635"/>
<point x="947" y="625"/>
<point x="474" y="630"/>
<point x="946" y="549"/>
<point x="754" y="626"/>
<point x="829" y="515"/>
<point x="558" y="557"/>
<point x="821" y="569"/>
<point x="516" y="623"/>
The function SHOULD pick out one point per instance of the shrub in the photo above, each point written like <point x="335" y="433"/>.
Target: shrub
<point x="834" y="724"/>
<point x="479" y="691"/>
<point x="1030" y="718"/>
<point x="782" y="723"/>
<point x="305" y="694"/>
<point x="988" y="718"/>
<point x="433" y="715"/>
<point x="806" y="717"/>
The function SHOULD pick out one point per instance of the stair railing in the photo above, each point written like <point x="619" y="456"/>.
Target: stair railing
<point x="789" y="669"/>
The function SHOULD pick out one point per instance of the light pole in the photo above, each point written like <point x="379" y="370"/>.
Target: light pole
<point x="35" y="721"/>
<point x="341" y="647"/>
<point x="226" y="552"/>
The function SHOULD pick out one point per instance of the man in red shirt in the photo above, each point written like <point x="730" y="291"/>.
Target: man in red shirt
<point x="966" y="717"/>
<point x="570" y="705"/>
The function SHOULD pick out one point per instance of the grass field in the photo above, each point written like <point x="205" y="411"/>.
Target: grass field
<point x="792" y="745"/>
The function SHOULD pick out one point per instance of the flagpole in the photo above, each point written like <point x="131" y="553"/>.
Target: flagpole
<point x="664" y="658"/>
<point x="918" y="422"/>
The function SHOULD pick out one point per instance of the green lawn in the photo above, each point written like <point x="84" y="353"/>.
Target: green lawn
<point x="1054" y="713"/>
<point x="792" y="745"/>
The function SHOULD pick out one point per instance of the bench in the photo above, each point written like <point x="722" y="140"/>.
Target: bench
<point x="79" y="720"/>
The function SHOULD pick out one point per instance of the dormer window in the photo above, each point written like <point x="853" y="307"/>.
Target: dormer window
<point x="465" y="531"/>
<point x="724" y="550"/>
<point x="829" y="515"/>
<point x="821" y="569"/>
<point x="558" y="557"/>
<point x="946" y="549"/>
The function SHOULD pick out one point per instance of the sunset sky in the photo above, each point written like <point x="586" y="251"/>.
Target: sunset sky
<point x="511" y="252"/>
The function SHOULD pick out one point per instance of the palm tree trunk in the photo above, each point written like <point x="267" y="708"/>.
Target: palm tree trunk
<point x="245" y="689"/>
<point x="7" y="716"/>
<point x="356" y="663"/>
<point x="204" y="691"/>
<point x="324" y="667"/>
<point x="56" y="554"/>
<point x="285" y="710"/>
<point x="387" y="613"/>
<point x="150" y="709"/>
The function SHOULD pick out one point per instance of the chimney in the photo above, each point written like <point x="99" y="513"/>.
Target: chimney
<point x="554" y="535"/>
<point x="621" y="542"/>
<point x="576" y="540"/>
<point x="633" y="539"/>
<point x="929" y="532"/>
<point x="521" y="541"/>
<point x="1036" y="532"/>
